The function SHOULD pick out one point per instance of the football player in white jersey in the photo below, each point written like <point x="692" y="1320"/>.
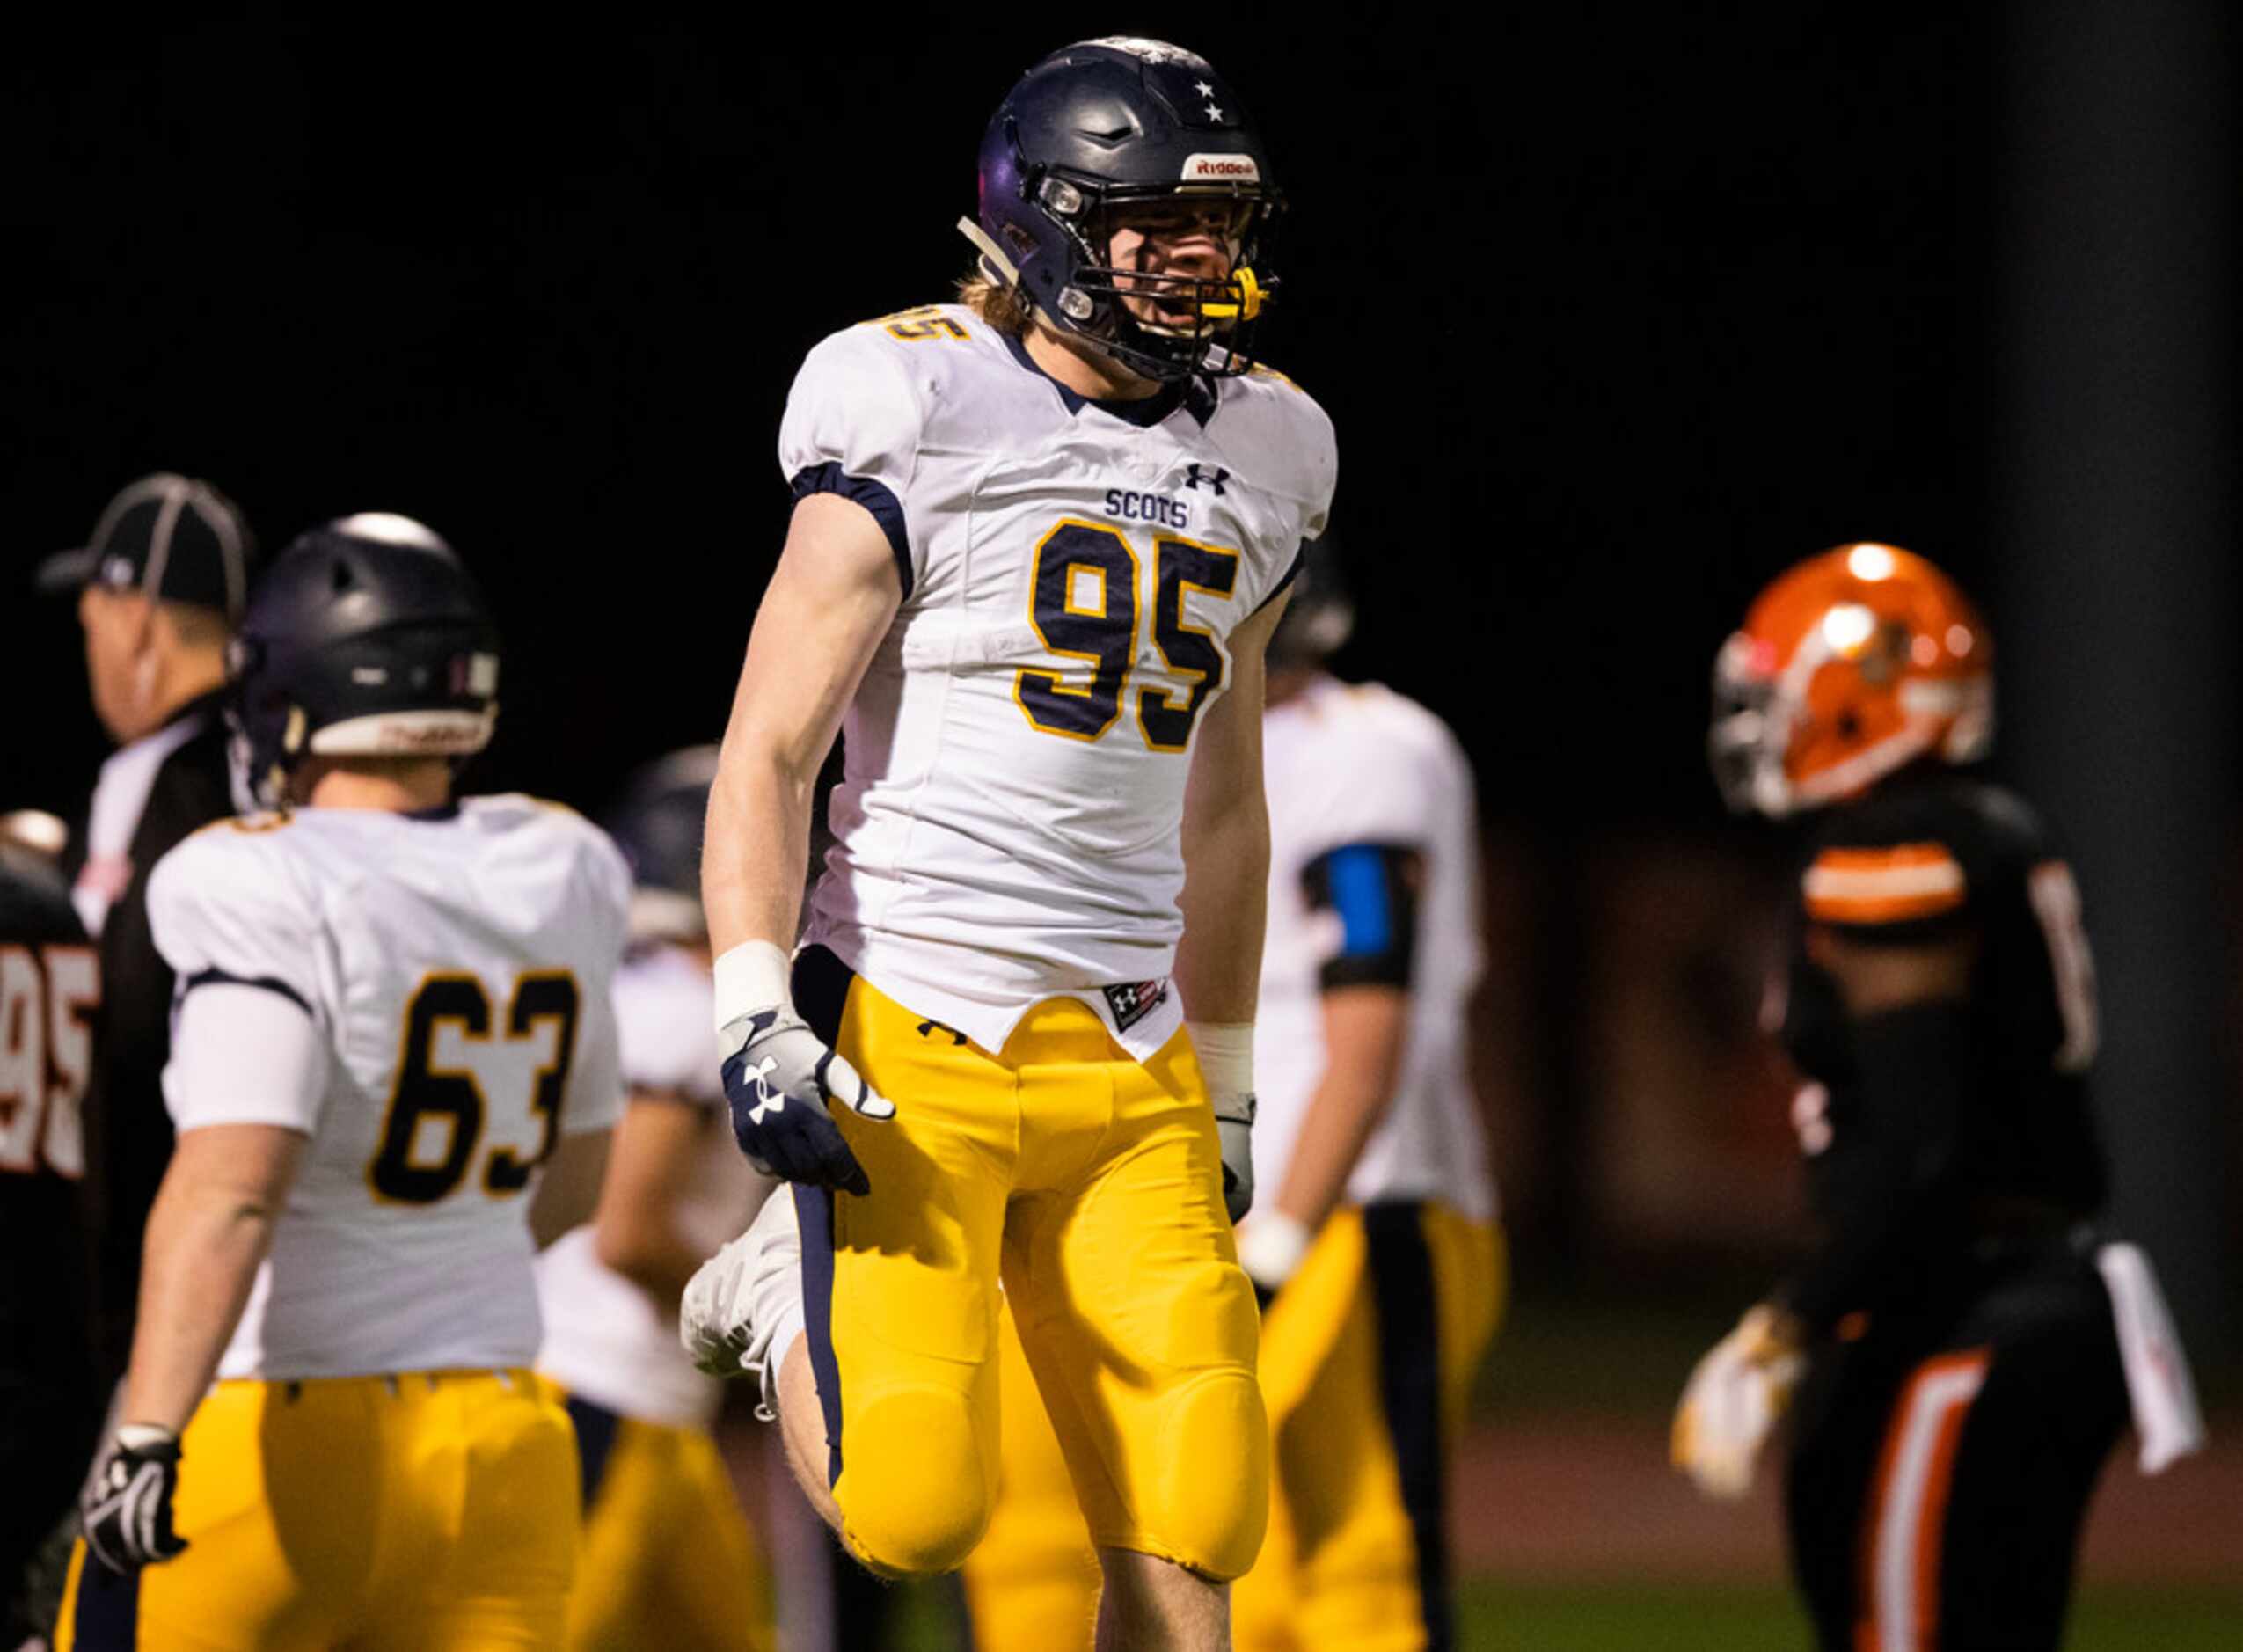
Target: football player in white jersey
<point x="1374" y="1244"/>
<point x="1374" y="1249"/>
<point x="394" y="1064"/>
<point x="1040" y="540"/>
<point x="668" y="1558"/>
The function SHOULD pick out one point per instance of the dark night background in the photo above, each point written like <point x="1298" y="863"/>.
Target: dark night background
<point x="1615" y="320"/>
<point x="1619" y="311"/>
<point x="1618" y="314"/>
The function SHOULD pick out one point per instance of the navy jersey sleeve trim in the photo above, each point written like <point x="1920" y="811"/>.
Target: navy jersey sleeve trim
<point x="227" y="978"/>
<point x="1372" y="888"/>
<point x="1292" y="572"/>
<point x="887" y="509"/>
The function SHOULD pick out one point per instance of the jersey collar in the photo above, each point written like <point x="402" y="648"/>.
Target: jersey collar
<point x="1194" y="395"/>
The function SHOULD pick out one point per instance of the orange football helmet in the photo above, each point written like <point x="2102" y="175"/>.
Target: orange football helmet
<point x="1850" y="666"/>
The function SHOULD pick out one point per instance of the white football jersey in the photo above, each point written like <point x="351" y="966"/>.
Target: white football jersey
<point x="1007" y="827"/>
<point x="606" y="1338"/>
<point x="1351" y="766"/>
<point x="428" y="997"/>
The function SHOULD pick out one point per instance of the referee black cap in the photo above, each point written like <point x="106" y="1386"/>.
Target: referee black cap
<point x="171" y="537"/>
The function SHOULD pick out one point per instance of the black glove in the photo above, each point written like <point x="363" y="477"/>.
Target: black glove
<point x="778" y="1077"/>
<point x="125" y="1508"/>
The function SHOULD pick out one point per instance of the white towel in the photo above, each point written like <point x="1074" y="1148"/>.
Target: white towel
<point x="2164" y="1396"/>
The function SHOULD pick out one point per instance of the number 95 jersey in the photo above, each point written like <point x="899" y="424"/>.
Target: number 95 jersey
<point x="427" y="998"/>
<point x="1007" y="825"/>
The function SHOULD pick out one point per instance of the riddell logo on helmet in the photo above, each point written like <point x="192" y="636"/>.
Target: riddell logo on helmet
<point x="419" y="732"/>
<point x="1200" y="169"/>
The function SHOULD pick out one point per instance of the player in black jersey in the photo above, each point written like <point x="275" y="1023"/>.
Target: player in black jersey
<point x="49" y="1409"/>
<point x="1951" y="1337"/>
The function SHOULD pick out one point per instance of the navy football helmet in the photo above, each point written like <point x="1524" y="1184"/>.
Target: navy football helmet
<point x="657" y="823"/>
<point x="1097" y="132"/>
<point x="365" y="638"/>
<point x="1320" y="616"/>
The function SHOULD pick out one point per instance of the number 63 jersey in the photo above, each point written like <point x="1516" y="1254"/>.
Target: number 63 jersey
<point x="425" y="996"/>
<point x="1007" y="825"/>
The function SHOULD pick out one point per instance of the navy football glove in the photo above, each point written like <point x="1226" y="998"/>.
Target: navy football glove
<point x="779" y="1075"/>
<point x="125" y="1508"/>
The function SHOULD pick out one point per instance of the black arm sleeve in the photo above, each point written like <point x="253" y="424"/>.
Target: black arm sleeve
<point x="1371" y="890"/>
<point x="1889" y="1184"/>
<point x="128" y="1127"/>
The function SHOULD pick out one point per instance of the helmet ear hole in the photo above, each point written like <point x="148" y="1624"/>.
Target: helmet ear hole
<point x="341" y="578"/>
<point x="1849" y="725"/>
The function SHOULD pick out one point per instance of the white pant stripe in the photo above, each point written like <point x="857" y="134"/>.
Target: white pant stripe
<point x="1912" y="1496"/>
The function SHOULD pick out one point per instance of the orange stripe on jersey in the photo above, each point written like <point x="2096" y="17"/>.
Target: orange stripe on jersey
<point x="1899" y="1598"/>
<point x="1884" y="885"/>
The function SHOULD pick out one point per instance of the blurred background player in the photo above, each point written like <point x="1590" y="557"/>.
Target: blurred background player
<point x="159" y="583"/>
<point x="394" y="1010"/>
<point x="1038" y="822"/>
<point x="1373" y="1243"/>
<point x="1963" y="1375"/>
<point x="668" y="1559"/>
<point x="50" y="1405"/>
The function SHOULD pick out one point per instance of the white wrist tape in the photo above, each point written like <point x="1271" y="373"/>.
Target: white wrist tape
<point x="1226" y="1053"/>
<point x="1270" y="1248"/>
<point x="753" y="976"/>
<point x="138" y="1436"/>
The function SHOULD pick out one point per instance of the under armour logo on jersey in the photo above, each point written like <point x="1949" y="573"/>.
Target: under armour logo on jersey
<point x="1131" y="1001"/>
<point x="927" y="1029"/>
<point x="1193" y="479"/>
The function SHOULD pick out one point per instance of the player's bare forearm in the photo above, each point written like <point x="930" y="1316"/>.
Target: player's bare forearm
<point x="1226" y="894"/>
<point x="1365" y="1030"/>
<point x="830" y="603"/>
<point x="636" y="1232"/>
<point x="1226" y="843"/>
<point x="207" y="1233"/>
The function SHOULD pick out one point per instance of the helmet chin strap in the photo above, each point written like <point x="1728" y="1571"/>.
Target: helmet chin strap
<point x="1249" y="291"/>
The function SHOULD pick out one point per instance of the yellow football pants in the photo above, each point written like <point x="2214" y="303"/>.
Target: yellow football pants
<point x="1094" y="1183"/>
<point x="434" y="1510"/>
<point x="1033" y="1581"/>
<point x="667" y="1558"/>
<point x="1367" y="1360"/>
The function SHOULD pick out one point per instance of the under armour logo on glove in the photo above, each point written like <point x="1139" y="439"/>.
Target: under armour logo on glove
<point x="767" y="1099"/>
<point x="771" y="1058"/>
<point x="125" y="1508"/>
